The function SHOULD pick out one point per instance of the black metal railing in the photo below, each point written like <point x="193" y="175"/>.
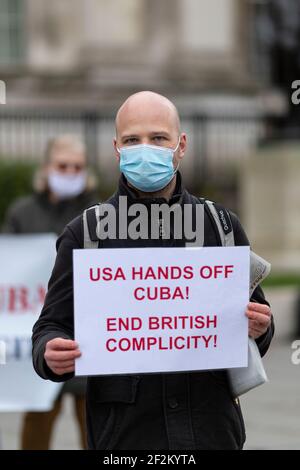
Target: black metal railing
<point x="215" y="140"/>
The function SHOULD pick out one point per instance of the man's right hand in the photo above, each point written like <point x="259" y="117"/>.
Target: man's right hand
<point x="60" y="355"/>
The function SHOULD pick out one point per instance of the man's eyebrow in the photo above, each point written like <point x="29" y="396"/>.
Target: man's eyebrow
<point x="164" y="133"/>
<point x="152" y="134"/>
<point x="130" y="136"/>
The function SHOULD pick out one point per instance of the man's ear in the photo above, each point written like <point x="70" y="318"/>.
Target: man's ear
<point x="117" y="153"/>
<point x="182" y="146"/>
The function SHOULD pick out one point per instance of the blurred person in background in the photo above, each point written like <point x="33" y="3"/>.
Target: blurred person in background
<point x="63" y="188"/>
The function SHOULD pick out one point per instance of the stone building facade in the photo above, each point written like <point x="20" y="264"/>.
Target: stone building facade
<point x="81" y="50"/>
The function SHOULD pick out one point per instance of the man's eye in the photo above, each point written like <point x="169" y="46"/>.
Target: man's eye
<point x="131" y="140"/>
<point x="159" y="138"/>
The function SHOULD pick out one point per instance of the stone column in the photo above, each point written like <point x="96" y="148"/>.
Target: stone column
<point x="270" y="190"/>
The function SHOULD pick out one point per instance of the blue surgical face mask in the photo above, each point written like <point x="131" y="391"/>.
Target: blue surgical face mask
<point x="148" y="168"/>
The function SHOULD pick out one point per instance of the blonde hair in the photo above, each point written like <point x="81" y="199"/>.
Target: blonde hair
<point x="64" y="142"/>
<point x="55" y="144"/>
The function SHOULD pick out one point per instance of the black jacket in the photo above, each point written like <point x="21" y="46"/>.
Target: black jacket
<point x="37" y="214"/>
<point x="151" y="411"/>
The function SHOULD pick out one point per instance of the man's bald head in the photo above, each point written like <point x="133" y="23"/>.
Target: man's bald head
<point x="151" y="119"/>
<point x="147" y="106"/>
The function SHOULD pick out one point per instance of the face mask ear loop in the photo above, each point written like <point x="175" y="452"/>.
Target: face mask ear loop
<point x="176" y="169"/>
<point x="176" y="148"/>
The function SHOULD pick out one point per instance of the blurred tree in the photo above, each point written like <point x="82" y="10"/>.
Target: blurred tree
<point x="15" y="181"/>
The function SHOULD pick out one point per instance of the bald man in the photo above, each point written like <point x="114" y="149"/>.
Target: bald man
<point x="146" y="411"/>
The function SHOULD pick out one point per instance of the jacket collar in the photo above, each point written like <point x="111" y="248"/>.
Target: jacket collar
<point x="133" y="197"/>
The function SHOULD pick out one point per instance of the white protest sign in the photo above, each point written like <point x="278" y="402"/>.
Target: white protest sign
<point x="146" y="310"/>
<point x="26" y="264"/>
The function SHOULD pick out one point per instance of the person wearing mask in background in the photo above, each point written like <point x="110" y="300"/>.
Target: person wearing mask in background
<point x="62" y="189"/>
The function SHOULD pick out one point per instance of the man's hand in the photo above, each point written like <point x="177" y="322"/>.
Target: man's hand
<point x="259" y="319"/>
<point x="60" y="355"/>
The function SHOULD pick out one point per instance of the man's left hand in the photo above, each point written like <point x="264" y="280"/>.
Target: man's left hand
<point x="259" y="319"/>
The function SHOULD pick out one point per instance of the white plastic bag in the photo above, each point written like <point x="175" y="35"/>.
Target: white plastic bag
<point x="243" y="379"/>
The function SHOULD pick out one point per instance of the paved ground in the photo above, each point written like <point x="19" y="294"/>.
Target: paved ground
<point x="272" y="412"/>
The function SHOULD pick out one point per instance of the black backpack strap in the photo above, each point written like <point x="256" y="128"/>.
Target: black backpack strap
<point x="222" y="221"/>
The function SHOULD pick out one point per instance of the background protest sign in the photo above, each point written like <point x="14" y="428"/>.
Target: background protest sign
<point x="157" y="310"/>
<point x="26" y="264"/>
